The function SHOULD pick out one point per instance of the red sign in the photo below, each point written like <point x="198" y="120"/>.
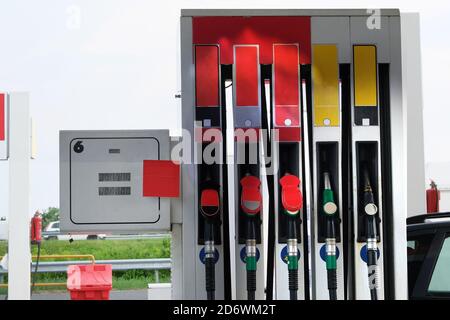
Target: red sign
<point x="161" y="178"/>
<point x="2" y="117"/>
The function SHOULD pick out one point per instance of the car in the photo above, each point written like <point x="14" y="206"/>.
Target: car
<point x="3" y="228"/>
<point x="429" y="256"/>
<point x="52" y="232"/>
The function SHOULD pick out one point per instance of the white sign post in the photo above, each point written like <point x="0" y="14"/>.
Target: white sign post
<point x="19" y="201"/>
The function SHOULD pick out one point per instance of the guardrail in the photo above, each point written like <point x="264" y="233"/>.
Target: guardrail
<point x="55" y="234"/>
<point x="117" y="265"/>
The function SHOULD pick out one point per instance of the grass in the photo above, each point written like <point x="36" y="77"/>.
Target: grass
<point x="105" y="250"/>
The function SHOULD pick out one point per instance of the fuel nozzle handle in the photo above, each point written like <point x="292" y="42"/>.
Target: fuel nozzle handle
<point x="251" y="202"/>
<point x="292" y="202"/>
<point x="210" y="210"/>
<point x="371" y="210"/>
<point x="329" y="205"/>
<point x="330" y="208"/>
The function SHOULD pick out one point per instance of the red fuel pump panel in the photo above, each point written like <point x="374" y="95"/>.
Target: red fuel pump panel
<point x="286" y="83"/>
<point x="247" y="80"/>
<point x="207" y="76"/>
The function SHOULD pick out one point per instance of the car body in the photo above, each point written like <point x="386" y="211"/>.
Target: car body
<point x="52" y="232"/>
<point x="429" y="256"/>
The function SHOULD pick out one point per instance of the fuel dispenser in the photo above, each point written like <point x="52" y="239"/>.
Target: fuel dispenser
<point x="327" y="242"/>
<point x="330" y="83"/>
<point x="209" y="142"/>
<point x="290" y="248"/>
<point x="367" y="179"/>
<point x="247" y="123"/>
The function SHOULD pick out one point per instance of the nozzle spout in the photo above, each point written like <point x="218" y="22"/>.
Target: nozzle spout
<point x="326" y="180"/>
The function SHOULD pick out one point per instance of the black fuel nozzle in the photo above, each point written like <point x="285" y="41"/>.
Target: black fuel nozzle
<point x="371" y="209"/>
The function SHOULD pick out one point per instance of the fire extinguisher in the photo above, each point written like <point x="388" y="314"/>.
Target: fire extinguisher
<point x="36" y="228"/>
<point x="36" y="238"/>
<point x="433" y="197"/>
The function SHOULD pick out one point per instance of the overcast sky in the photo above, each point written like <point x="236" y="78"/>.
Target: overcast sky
<point x="116" y="67"/>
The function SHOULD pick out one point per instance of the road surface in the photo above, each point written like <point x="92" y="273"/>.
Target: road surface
<point x="114" y="295"/>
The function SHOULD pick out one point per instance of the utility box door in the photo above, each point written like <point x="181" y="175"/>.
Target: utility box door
<point x="102" y="181"/>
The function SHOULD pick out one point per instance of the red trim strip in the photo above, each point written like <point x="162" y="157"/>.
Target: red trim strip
<point x="207" y="76"/>
<point x="264" y="31"/>
<point x="246" y="76"/>
<point x="2" y="117"/>
<point x="289" y="134"/>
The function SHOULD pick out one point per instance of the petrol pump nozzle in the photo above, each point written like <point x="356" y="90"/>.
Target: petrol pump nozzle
<point x="371" y="210"/>
<point x="330" y="208"/>
<point x="292" y="201"/>
<point x="370" y="207"/>
<point x="210" y="210"/>
<point x="250" y="202"/>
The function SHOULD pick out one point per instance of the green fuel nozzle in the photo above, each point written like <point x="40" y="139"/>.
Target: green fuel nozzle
<point x="329" y="205"/>
<point x="330" y="209"/>
<point x="251" y="204"/>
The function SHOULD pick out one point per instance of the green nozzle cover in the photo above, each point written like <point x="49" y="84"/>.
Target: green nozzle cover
<point x="331" y="262"/>
<point x="292" y="263"/>
<point x="250" y="263"/>
<point x="328" y="196"/>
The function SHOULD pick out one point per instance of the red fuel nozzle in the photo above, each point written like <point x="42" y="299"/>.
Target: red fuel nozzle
<point x="291" y="196"/>
<point x="251" y="199"/>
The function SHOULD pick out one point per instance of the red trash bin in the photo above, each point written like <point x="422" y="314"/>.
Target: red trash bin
<point x="89" y="282"/>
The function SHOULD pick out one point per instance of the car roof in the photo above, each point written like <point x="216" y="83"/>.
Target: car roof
<point x="429" y="221"/>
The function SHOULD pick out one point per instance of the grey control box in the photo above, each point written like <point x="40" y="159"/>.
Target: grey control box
<point x="102" y="181"/>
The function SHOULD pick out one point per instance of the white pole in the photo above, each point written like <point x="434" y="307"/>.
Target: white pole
<point x="19" y="208"/>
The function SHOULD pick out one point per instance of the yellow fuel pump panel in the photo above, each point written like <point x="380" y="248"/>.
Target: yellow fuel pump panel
<point x="365" y="73"/>
<point x="325" y="77"/>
